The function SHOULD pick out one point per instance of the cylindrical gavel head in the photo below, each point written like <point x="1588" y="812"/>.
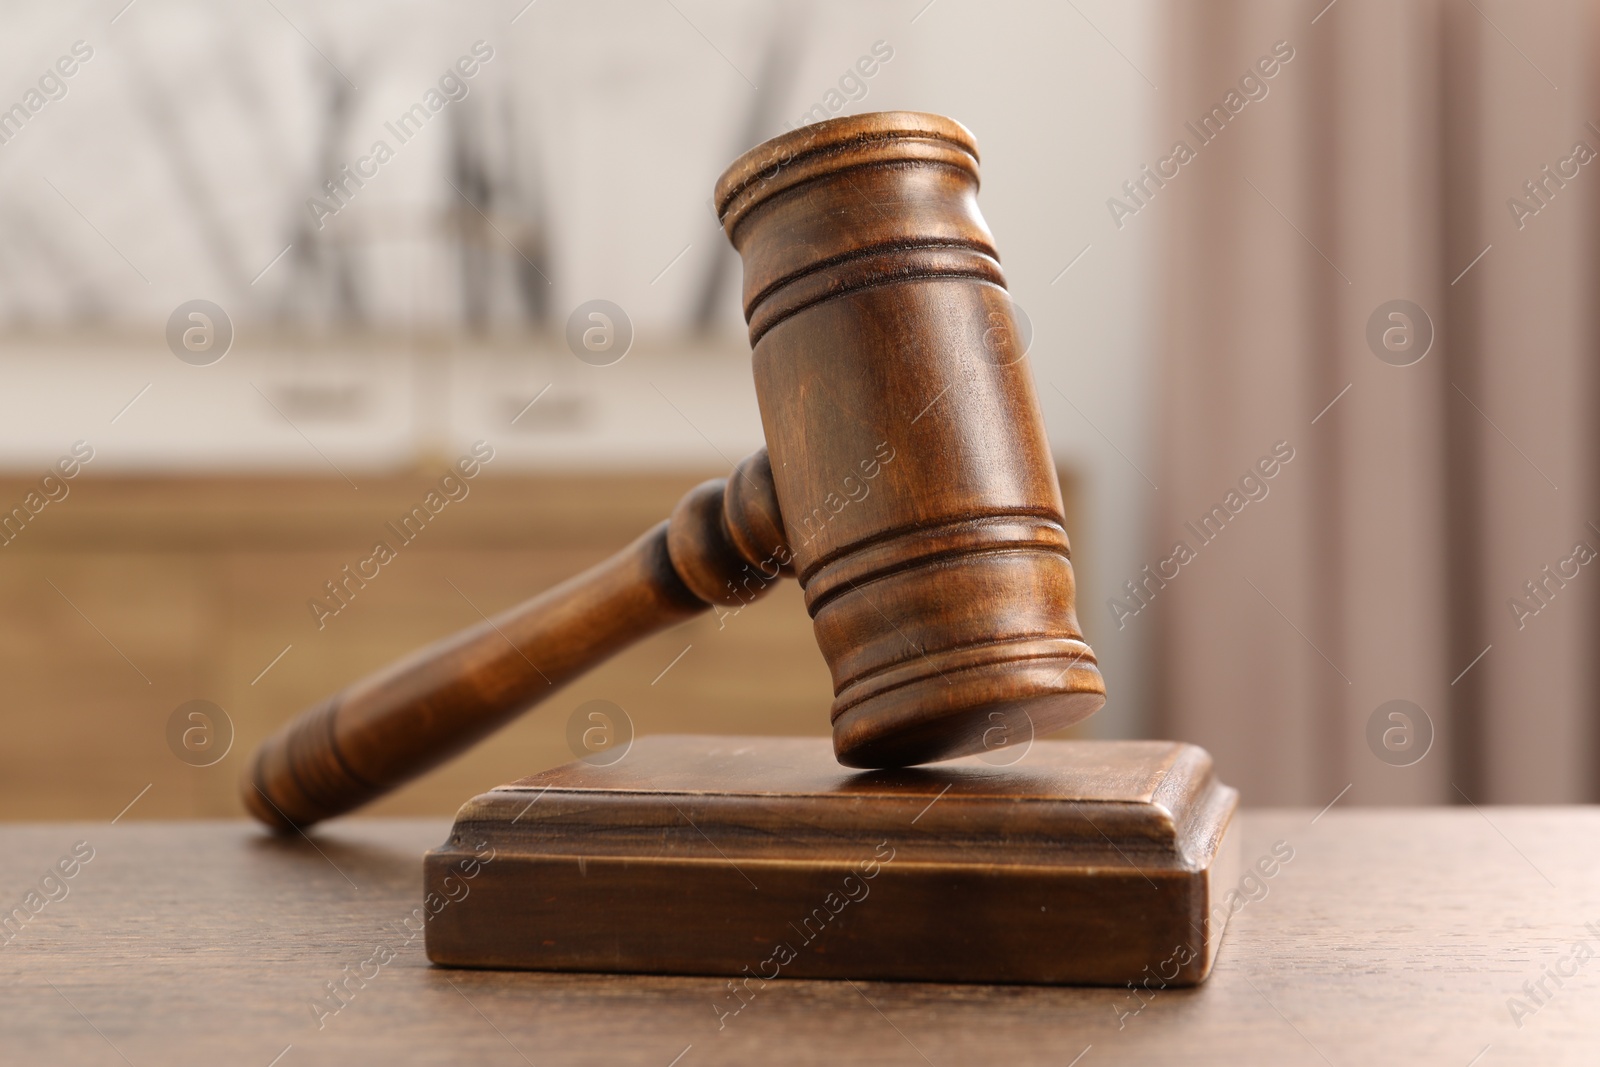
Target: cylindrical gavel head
<point x="916" y="485"/>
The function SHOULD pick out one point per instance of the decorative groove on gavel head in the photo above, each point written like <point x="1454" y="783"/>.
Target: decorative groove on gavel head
<point x="916" y="487"/>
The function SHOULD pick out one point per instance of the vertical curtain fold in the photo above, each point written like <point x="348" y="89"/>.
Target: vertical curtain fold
<point x="1426" y="497"/>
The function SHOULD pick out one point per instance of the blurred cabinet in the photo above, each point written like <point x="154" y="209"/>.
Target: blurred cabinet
<point x="135" y="595"/>
<point x="376" y="403"/>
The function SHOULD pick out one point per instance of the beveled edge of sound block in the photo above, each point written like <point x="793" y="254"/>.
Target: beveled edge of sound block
<point x="1086" y="862"/>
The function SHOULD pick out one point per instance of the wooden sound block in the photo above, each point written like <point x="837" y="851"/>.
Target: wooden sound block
<point x="1086" y="862"/>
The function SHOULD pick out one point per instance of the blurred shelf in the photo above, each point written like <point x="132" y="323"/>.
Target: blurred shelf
<point x="132" y="596"/>
<point x="364" y="404"/>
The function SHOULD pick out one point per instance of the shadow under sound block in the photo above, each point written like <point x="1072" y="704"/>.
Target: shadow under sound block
<point x="1085" y="862"/>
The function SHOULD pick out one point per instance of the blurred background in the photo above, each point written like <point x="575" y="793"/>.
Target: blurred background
<point x="1311" y="292"/>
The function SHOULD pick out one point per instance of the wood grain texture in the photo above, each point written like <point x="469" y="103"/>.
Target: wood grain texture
<point x="909" y="454"/>
<point x="202" y="581"/>
<point x="944" y="602"/>
<point x="1390" y="937"/>
<point x="1094" y="862"/>
<point x="386" y="729"/>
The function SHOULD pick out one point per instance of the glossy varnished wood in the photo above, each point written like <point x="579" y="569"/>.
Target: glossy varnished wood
<point x="909" y="488"/>
<point x="1391" y="937"/>
<point x="201" y="582"/>
<point x="911" y="491"/>
<point x="392" y="726"/>
<point x="909" y="455"/>
<point x="751" y="857"/>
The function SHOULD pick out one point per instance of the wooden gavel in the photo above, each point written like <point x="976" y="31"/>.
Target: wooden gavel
<point x="910" y="489"/>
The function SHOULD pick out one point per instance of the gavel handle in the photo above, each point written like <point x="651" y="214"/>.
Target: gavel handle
<point x="413" y="715"/>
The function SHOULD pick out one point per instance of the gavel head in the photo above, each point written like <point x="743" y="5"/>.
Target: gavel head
<point x="918" y="496"/>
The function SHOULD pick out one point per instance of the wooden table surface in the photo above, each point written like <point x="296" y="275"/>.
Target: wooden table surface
<point x="1390" y="937"/>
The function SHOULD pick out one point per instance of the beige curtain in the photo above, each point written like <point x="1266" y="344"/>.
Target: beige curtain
<point x="1424" y="503"/>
